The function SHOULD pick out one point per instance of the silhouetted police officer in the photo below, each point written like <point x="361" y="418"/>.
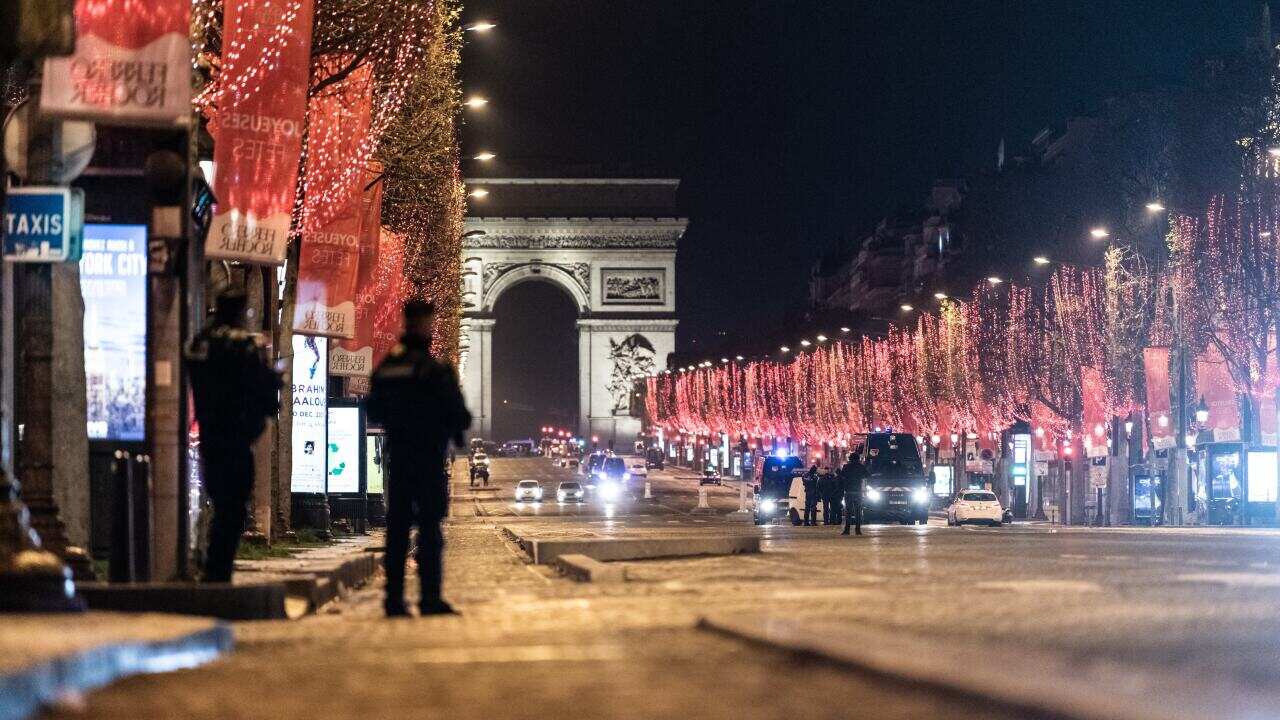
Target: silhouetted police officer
<point x="853" y="477"/>
<point x="811" y="496"/>
<point x="827" y="490"/>
<point x="235" y="390"/>
<point x="417" y="401"/>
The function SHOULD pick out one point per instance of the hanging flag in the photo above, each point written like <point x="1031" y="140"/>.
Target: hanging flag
<point x="333" y="204"/>
<point x="1217" y="389"/>
<point x="1094" y="431"/>
<point x="388" y="319"/>
<point x="132" y="64"/>
<point x="257" y="128"/>
<point x="354" y="357"/>
<point x="1155" y="361"/>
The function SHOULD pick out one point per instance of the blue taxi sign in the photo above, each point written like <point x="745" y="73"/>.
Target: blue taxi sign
<point x="43" y="224"/>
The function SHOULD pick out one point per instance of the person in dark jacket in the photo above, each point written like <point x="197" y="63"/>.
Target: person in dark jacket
<point x="235" y="390"/>
<point x="828" y="489"/>
<point x="853" y="477"/>
<point x="811" y="496"/>
<point x="417" y="401"/>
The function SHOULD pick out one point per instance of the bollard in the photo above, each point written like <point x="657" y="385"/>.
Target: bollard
<point x="702" y="498"/>
<point x="742" y="498"/>
<point x="648" y="491"/>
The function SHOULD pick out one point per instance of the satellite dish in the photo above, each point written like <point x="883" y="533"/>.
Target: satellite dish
<point x="70" y="156"/>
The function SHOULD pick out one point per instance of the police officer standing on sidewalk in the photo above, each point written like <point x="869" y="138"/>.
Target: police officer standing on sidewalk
<point x="417" y="401"/>
<point x="811" y="496"/>
<point x="852" y="478"/>
<point x="828" y="489"/>
<point x="235" y="390"/>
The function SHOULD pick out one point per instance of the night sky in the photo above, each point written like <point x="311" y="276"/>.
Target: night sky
<point x="794" y="123"/>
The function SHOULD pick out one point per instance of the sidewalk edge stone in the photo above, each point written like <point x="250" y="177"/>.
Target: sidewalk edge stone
<point x="23" y="693"/>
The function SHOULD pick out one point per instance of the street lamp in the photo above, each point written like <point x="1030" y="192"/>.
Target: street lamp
<point x="1202" y="411"/>
<point x="805" y="343"/>
<point x="478" y="193"/>
<point x="1099" y="233"/>
<point x="480" y="27"/>
<point x="822" y="338"/>
<point x="906" y="307"/>
<point x="844" y="329"/>
<point x="940" y="295"/>
<point x="738" y="358"/>
<point x="1040" y="260"/>
<point x="1155" y="207"/>
<point x="994" y="280"/>
<point x="485" y="156"/>
<point x="785" y="349"/>
<point x="475" y="102"/>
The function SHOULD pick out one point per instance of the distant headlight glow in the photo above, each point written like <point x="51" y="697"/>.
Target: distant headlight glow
<point x="768" y="506"/>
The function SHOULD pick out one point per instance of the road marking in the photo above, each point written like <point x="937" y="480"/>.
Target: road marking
<point x="1040" y="586"/>
<point x="1240" y="579"/>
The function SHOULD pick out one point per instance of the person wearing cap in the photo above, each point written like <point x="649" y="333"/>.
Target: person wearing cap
<point x="417" y="400"/>
<point x="235" y="390"/>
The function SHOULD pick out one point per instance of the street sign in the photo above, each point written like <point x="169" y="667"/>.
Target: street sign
<point x="43" y="224"/>
<point x="1098" y="472"/>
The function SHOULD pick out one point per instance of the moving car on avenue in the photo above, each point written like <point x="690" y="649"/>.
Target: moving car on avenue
<point x="976" y="506"/>
<point x="528" y="490"/>
<point x="571" y="491"/>
<point x="710" y="477"/>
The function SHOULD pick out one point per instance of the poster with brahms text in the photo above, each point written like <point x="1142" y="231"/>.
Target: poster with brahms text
<point x="257" y="128"/>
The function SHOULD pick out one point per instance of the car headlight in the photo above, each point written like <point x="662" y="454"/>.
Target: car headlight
<point x="920" y="496"/>
<point x="768" y="506"/>
<point x="874" y="495"/>
<point x="609" y="491"/>
<point x="626" y="476"/>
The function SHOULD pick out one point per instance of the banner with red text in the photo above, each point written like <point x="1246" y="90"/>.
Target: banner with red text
<point x="257" y="128"/>
<point x="333" y="204"/>
<point x="1213" y="381"/>
<point x="132" y="64"/>
<point x="354" y="357"/>
<point x="1155" y="361"/>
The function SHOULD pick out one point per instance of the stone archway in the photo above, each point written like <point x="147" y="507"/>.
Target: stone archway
<point x="619" y="271"/>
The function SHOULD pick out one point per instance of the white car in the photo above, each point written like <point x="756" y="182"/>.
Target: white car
<point x="571" y="491"/>
<point x="528" y="490"/>
<point x="638" y="469"/>
<point x="975" y="506"/>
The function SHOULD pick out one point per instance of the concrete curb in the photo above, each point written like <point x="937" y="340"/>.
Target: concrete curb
<point x="584" y="569"/>
<point x="545" y="551"/>
<point x="284" y="595"/>
<point x="24" y="692"/>
<point x="1047" y="683"/>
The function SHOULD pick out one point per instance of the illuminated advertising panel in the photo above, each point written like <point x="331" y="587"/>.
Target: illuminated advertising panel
<point x="373" y="483"/>
<point x="344" y="450"/>
<point x="113" y="282"/>
<point x="310" y="403"/>
<point x="1262" y="476"/>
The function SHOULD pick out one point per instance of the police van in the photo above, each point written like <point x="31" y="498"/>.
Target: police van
<point x="897" y="488"/>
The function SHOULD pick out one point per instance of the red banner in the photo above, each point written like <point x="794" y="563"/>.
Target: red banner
<point x="258" y="128"/>
<point x="1094" y="399"/>
<point x="354" y="357"/>
<point x="132" y="64"/>
<point x="337" y="129"/>
<point x="1213" y="381"/>
<point x="1155" y="362"/>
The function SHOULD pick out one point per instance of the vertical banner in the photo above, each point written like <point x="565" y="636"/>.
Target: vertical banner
<point x="354" y="357"/>
<point x="1213" y="380"/>
<point x="113" y="284"/>
<point x="337" y="135"/>
<point x="1094" y="430"/>
<point x="388" y="320"/>
<point x="1155" y="362"/>
<point x="258" y="128"/>
<point x="132" y="64"/>
<point x="310" y="414"/>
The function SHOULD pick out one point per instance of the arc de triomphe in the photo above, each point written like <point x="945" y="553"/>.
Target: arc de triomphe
<point x="609" y="244"/>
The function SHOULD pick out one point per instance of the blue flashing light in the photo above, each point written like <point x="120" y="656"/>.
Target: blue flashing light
<point x="780" y="452"/>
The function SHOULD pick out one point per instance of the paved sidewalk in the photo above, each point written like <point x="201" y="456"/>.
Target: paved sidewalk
<point x="46" y="658"/>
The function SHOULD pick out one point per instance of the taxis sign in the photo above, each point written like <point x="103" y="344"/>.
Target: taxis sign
<point x="43" y="224"/>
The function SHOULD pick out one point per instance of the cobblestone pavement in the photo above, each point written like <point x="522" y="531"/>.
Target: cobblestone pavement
<point x="531" y="644"/>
